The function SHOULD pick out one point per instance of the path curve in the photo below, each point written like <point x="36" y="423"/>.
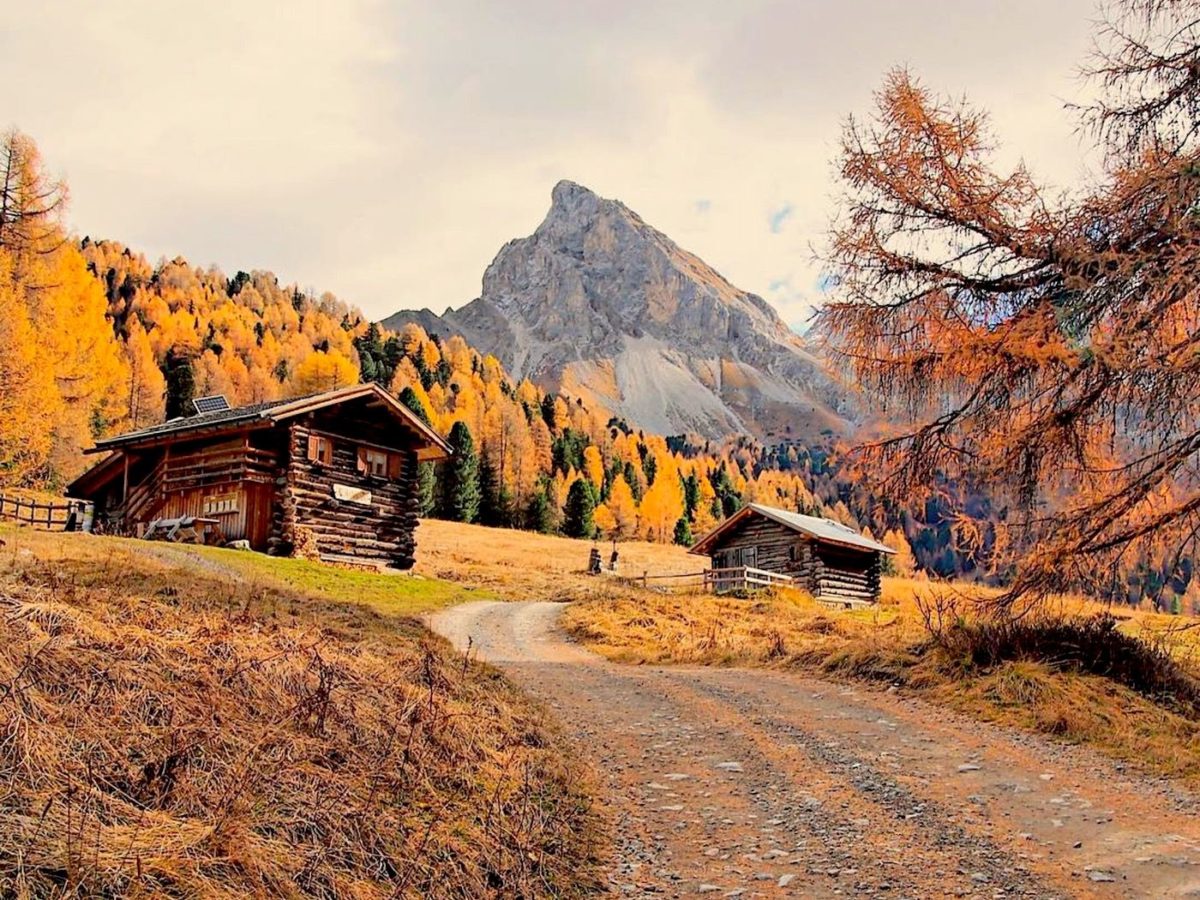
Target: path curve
<point x="753" y="783"/>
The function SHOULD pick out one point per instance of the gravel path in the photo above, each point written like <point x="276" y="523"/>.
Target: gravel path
<point x="751" y="783"/>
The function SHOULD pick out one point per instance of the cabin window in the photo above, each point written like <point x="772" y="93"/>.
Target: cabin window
<point x="378" y="463"/>
<point x="320" y="449"/>
<point x="738" y="556"/>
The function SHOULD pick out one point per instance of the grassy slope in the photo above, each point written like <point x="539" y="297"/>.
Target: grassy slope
<point x="225" y="724"/>
<point x="522" y="565"/>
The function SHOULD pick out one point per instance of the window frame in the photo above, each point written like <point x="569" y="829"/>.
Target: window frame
<point x="320" y="449"/>
<point x="374" y="459"/>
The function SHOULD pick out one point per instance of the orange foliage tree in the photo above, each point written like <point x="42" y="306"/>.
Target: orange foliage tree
<point x="1046" y="347"/>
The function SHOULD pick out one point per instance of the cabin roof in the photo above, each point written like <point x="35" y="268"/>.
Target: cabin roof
<point x="272" y="412"/>
<point x="825" y="531"/>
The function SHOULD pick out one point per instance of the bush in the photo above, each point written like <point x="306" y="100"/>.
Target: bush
<point x="1089" y="644"/>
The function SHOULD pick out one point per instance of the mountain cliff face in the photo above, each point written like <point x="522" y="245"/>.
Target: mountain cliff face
<point x="599" y="305"/>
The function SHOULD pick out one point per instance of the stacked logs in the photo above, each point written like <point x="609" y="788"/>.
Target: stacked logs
<point x="382" y="531"/>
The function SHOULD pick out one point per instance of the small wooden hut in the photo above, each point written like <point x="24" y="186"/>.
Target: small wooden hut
<point x="335" y="472"/>
<point x="764" y="545"/>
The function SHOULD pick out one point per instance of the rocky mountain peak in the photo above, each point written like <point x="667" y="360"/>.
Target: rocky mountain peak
<point x="598" y="304"/>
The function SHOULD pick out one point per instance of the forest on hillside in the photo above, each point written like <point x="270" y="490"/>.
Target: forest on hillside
<point x="95" y="340"/>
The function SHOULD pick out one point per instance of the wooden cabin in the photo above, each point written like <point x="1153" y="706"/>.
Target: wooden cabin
<point x="335" y="473"/>
<point x="759" y="543"/>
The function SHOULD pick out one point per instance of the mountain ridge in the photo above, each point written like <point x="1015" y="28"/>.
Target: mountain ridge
<point x="598" y="304"/>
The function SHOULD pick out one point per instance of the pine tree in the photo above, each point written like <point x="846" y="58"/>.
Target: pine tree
<point x="462" y="476"/>
<point x="683" y="532"/>
<point x="579" y="513"/>
<point x="691" y="495"/>
<point x="181" y="385"/>
<point x="426" y="471"/>
<point x="539" y="513"/>
<point x="495" y="501"/>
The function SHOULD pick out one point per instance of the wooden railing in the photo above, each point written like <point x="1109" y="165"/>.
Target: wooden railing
<point x="721" y="581"/>
<point x="51" y="516"/>
<point x="218" y="466"/>
<point x="144" y="497"/>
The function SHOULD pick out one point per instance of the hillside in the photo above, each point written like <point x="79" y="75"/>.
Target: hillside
<point x="95" y="340"/>
<point x="599" y="305"/>
<point x="219" y="724"/>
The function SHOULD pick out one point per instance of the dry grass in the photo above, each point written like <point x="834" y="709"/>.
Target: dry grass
<point x="208" y="736"/>
<point x="522" y="565"/>
<point x="1062" y="673"/>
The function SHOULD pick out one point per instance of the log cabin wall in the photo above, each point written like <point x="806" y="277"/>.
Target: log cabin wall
<point x="846" y="574"/>
<point x="824" y="570"/>
<point x="760" y="543"/>
<point x="382" y="530"/>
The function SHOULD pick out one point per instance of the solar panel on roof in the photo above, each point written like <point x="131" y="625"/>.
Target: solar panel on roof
<point x="214" y="403"/>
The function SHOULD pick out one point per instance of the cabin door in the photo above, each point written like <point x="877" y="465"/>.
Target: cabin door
<point x="750" y="557"/>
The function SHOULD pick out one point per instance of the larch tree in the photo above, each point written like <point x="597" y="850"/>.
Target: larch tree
<point x="323" y="371"/>
<point x="1045" y="346"/>
<point x="593" y="465"/>
<point x="147" y="386"/>
<point x="606" y="524"/>
<point x="621" y="510"/>
<point x="27" y="390"/>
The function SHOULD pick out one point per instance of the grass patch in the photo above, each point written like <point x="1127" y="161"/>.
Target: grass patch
<point x="169" y="730"/>
<point x="392" y="594"/>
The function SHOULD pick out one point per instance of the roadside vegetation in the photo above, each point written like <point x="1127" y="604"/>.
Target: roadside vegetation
<point x="183" y="723"/>
<point x="1123" y="680"/>
<point x="1070" y="669"/>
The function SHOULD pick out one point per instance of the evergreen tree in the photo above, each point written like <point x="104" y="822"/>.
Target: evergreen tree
<point x="462" y="476"/>
<point x="539" y="513"/>
<point x="567" y="450"/>
<point x="427" y="482"/>
<point x="181" y="385"/>
<point x="495" y="501"/>
<point x="635" y="483"/>
<point x="691" y="496"/>
<point x="650" y="467"/>
<point x="409" y="398"/>
<point x="426" y="471"/>
<point x="548" y="409"/>
<point x="683" y="532"/>
<point x="579" y="514"/>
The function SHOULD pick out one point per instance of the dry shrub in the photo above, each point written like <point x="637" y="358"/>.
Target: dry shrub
<point x="182" y="741"/>
<point x="1088" y="643"/>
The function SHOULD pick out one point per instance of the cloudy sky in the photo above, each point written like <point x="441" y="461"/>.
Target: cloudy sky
<point x="385" y="151"/>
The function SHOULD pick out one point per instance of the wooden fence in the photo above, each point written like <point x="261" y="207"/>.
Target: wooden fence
<point x="50" y="516"/>
<point x="720" y="581"/>
<point x="646" y="578"/>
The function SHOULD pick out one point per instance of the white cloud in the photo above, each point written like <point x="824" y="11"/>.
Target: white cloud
<point x="386" y="152"/>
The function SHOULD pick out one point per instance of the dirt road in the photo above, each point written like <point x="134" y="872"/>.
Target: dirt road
<point x="750" y="783"/>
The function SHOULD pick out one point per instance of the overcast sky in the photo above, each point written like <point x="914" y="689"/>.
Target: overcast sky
<point x="385" y="151"/>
